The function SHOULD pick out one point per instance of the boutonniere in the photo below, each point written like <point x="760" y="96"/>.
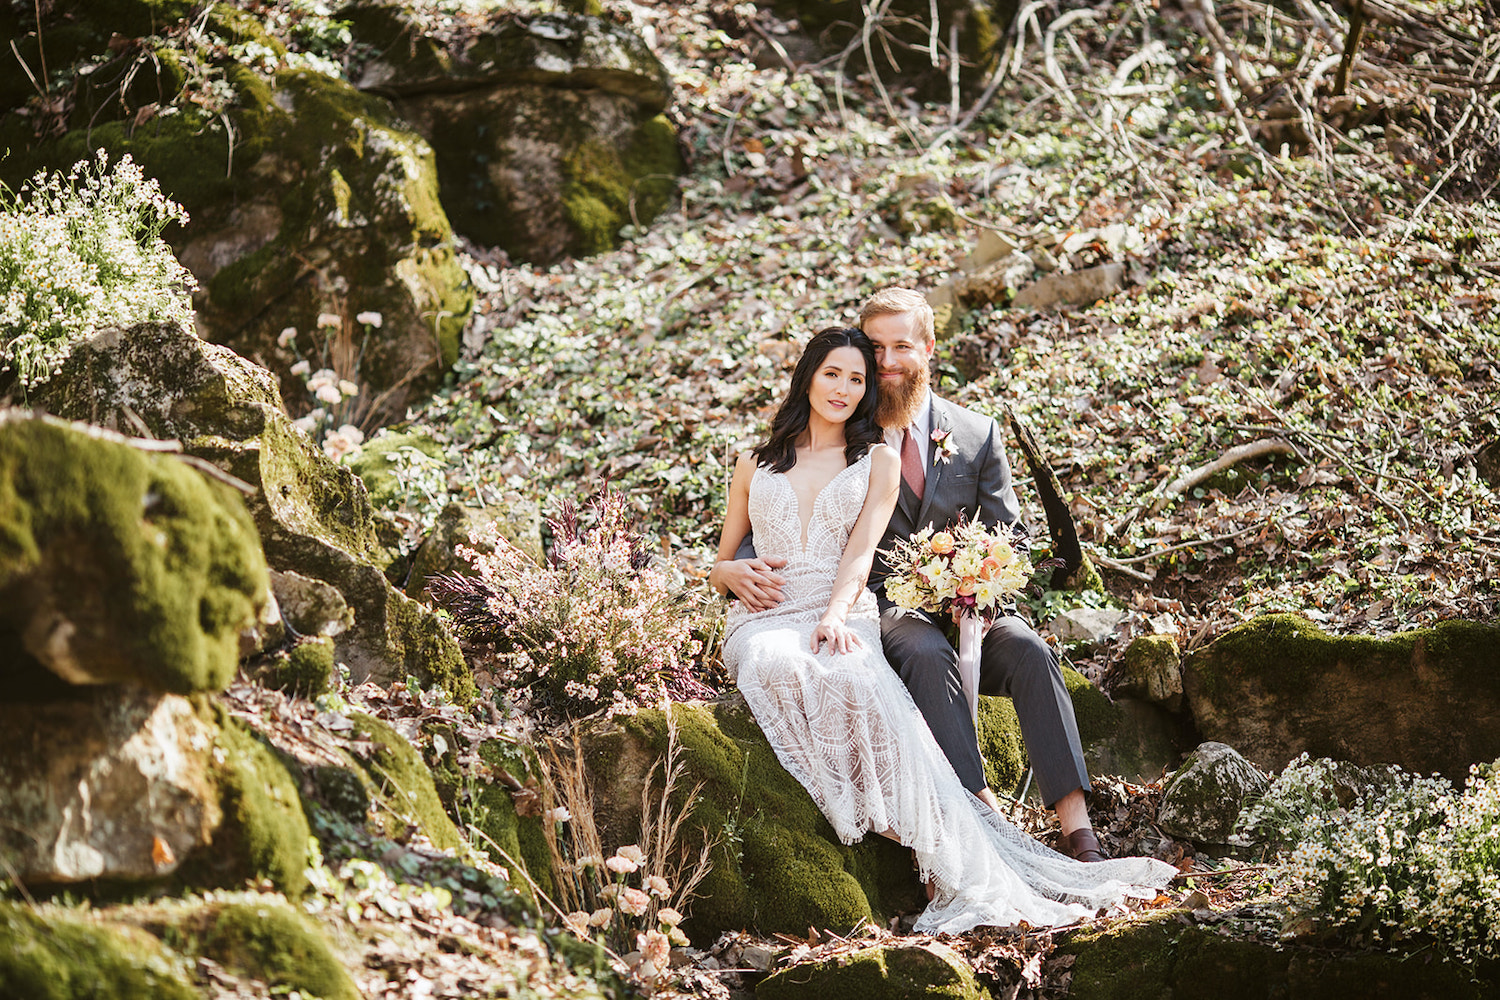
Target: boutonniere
<point x="942" y="446"/>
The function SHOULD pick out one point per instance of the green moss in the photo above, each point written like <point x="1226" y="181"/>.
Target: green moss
<point x="1162" y="955"/>
<point x="1289" y="653"/>
<point x="1097" y="717"/>
<point x="307" y="669"/>
<point x="53" y="954"/>
<point x="403" y="785"/>
<point x="431" y="653"/>
<point x="270" y="942"/>
<point x="779" y="867"/>
<point x="342" y="790"/>
<point x="156" y="567"/>
<point x="378" y="460"/>
<point x="604" y="190"/>
<point x="1000" y="743"/>
<point x="264" y="833"/>
<point x="520" y="837"/>
<point x="882" y="973"/>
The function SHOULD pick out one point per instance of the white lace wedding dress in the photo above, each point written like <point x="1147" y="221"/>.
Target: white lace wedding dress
<point x="845" y="727"/>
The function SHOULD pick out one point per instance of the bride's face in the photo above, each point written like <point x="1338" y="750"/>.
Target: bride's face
<point x="838" y="385"/>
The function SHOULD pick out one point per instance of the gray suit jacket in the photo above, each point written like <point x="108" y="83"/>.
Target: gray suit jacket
<point x="974" y="482"/>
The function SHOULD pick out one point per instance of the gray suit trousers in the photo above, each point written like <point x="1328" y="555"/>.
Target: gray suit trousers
<point x="1015" y="662"/>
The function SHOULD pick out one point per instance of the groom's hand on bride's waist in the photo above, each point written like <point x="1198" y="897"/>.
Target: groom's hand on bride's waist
<point x="754" y="581"/>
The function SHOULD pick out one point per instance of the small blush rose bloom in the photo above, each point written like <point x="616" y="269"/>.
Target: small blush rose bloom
<point x="669" y="916"/>
<point x="632" y="852"/>
<point x="620" y="866"/>
<point x="656" y="885"/>
<point x="601" y="916"/>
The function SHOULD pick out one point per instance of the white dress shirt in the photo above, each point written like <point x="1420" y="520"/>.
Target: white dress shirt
<point x="921" y="429"/>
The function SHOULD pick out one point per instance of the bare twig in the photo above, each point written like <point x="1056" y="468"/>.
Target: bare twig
<point x="1240" y="453"/>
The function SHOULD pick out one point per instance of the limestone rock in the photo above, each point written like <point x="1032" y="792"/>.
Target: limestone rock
<point x="1153" y="671"/>
<point x="548" y="130"/>
<point x="996" y="282"/>
<point x="311" y="607"/>
<point x="561" y="50"/>
<point x="1278" y="685"/>
<point x="129" y="785"/>
<point x="1090" y="626"/>
<point x="1076" y="288"/>
<point x="1130" y="739"/>
<point x="115" y="784"/>
<point x="885" y="972"/>
<point x="118" y="565"/>
<point x="1203" y="798"/>
<point x="313" y="515"/>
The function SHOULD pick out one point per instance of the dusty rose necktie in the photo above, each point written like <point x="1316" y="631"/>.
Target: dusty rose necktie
<point x="911" y="462"/>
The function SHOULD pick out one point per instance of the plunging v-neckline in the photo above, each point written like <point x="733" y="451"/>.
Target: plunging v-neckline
<point x="806" y="522"/>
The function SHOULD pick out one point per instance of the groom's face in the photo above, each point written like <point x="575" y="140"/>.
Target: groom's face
<point x="903" y="358"/>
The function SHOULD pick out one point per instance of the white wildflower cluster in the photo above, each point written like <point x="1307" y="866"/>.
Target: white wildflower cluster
<point x="81" y="252"/>
<point x="330" y="422"/>
<point x="1409" y="861"/>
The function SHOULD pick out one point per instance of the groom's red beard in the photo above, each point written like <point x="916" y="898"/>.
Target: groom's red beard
<point x="899" y="401"/>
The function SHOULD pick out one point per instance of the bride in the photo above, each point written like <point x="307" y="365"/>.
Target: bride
<point x="818" y="493"/>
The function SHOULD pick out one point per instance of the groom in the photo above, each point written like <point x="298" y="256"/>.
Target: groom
<point x="952" y="467"/>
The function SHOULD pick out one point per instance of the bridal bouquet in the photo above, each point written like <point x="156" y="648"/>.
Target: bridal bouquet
<point x="968" y="574"/>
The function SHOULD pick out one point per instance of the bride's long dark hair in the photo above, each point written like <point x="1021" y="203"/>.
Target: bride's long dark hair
<point x="779" y="452"/>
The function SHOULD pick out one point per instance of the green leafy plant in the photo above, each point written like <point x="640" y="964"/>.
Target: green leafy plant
<point x="82" y="251"/>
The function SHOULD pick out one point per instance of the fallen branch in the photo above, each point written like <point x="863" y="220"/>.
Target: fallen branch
<point x="1190" y="545"/>
<point x="1241" y="453"/>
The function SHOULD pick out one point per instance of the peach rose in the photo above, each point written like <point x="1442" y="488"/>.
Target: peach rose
<point x="966" y="586"/>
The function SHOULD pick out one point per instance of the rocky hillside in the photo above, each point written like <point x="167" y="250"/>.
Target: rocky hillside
<point x="1228" y="274"/>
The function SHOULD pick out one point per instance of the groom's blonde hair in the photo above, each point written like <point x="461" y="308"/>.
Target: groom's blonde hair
<point x="898" y="301"/>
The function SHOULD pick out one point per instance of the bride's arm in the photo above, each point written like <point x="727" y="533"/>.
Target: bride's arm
<point x="753" y="581"/>
<point x="859" y="553"/>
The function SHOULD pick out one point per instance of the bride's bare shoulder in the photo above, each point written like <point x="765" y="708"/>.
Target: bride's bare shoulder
<point x="883" y="457"/>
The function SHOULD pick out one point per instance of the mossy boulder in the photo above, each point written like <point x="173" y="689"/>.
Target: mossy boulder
<point x="1278" y="686"/>
<point x="307" y="198"/>
<point x="548" y="130"/>
<point x="118" y="565"/>
<point x="1202" y="799"/>
<point x="885" y="972"/>
<point x="1168" y="954"/>
<point x="1152" y="671"/>
<point x="512" y="835"/>
<point x="312" y="514"/>
<point x="110" y="783"/>
<point x="264" y="833"/>
<point x="400" y="784"/>
<point x="1126" y="738"/>
<point x="779" y="866"/>
<point x="270" y="942"/>
<point x="117" y="786"/>
<point x="54" y="953"/>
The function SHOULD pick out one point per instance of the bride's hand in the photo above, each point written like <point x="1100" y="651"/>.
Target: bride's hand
<point x="840" y="637"/>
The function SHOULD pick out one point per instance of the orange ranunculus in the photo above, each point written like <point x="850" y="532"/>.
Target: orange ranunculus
<point x="989" y="567"/>
<point x="942" y="543"/>
<point x="966" y="586"/>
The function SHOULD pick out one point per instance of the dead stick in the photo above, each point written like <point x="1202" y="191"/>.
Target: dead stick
<point x="1059" y="520"/>
<point x="1185" y="482"/>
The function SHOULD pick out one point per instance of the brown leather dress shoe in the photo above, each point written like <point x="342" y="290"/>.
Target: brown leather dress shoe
<point x="1082" y="845"/>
